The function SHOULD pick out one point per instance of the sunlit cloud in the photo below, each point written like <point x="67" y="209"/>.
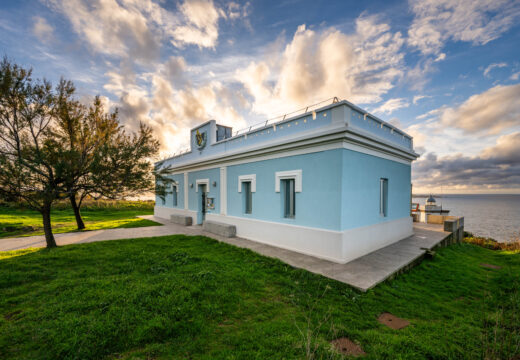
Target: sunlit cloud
<point x="42" y="29"/>
<point x="175" y="65"/>
<point x="475" y="21"/>
<point x="361" y="67"/>
<point x="490" y="112"/>
<point x="200" y="25"/>
<point x="493" y="66"/>
<point x="391" y="105"/>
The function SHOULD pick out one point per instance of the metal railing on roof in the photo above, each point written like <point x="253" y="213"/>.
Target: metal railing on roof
<point x="267" y="122"/>
<point x="283" y="117"/>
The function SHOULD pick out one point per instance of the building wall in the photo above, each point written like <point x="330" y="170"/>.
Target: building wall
<point x="360" y="189"/>
<point x="213" y="175"/>
<point x="305" y="124"/>
<point x="168" y="200"/>
<point x="364" y="229"/>
<point x="342" y="153"/>
<point x="318" y="205"/>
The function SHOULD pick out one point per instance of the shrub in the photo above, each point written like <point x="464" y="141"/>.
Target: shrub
<point x="492" y="244"/>
<point x="92" y="204"/>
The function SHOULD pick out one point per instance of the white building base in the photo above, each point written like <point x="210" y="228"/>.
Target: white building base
<point x="364" y="240"/>
<point x="165" y="212"/>
<point x="337" y="246"/>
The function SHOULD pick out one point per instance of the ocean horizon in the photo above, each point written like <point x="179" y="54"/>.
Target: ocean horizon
<point x="490" y="215"/>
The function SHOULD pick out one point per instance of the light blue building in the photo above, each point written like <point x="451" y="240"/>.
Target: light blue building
<point x="334" y="183"/>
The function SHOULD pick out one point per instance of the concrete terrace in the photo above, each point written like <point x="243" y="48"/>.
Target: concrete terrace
<point x="363" y="273"/>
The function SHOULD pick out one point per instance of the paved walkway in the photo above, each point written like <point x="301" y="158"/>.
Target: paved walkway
<point x="363" y="273"/>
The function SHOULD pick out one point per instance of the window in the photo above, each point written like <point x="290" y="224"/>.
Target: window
<point x="174" y="193"/>
<point x="288" y="193"/>
<point x="248" y="197"/>
<point x="163" y="200"/>
<point x="383" y="197"/>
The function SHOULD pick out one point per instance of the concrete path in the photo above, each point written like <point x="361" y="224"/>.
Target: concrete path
<point x="363" y="273"/>
<point x="367" y="271"/>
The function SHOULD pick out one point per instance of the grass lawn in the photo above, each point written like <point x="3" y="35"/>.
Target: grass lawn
<point x="195" y="298"/>
<point x="23" y="222"/>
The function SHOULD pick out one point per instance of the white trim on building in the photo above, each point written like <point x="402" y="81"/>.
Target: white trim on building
<point x="223" y="190"/>
<point x="291" y="174"/>
<point x="247" y="178"/>
<point x="176" y="185"/>
<point x="337" y="246"/>
<point x="186" y="191"/>
<point x="202" y="182"/>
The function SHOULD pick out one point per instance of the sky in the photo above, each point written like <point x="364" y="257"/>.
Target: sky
<point x="445" y="71"/>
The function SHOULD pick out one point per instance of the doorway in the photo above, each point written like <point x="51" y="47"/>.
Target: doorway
<point x="201" y="214"/>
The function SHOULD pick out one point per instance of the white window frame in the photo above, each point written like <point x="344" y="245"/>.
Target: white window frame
<point x="247" y="178"/>
<point x="176" y="184"/>
<point x="202" y="182"/>
<point x="175" y="197"/>
<point x="290" y="174"/>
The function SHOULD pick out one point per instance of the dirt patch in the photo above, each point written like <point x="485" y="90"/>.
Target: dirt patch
<point x="12" y="314"/>
<point x="491" y="266"/>
<point x="347" y="347"/>
<point x="392" y="321"/>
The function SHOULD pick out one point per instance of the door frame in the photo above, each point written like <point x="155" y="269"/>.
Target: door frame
<point x="202" y="189"/>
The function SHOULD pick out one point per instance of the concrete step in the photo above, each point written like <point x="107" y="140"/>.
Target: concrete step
<point x="181" y="220"/>
<point x="219" y="228"/>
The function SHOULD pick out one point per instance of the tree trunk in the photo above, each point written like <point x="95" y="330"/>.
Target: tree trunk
<point x="47" y="228"/>
<point x="77" y="213"/>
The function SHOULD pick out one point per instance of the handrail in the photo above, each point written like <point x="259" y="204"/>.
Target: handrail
<point x="275" y="120"/>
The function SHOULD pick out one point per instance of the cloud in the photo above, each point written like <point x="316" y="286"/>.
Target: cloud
<point x="110" y="27"/>
<point x="429" y="114"/>
<point x="42" y="29"/>
<point x="490" y="112"/>
<point x="417" y="76"/>
<point x="392" y="105"/>
<point x="416" y="98"/>
<point x="237" y="11"/>
<point x="515" y="76"/>
<point x="175" y="69"/>
<point x="441" y="57"/>
<point x="201" y="24"/>
<point x="144" y="88"/>
<point x="135" y="28"/>
<point x="315" y="66"/>
<point x="493" y="66"/>
<point x="494" y="167"/>
<point x="169" y="103"/>
<point x="475" y="21"/>
<point x="396" y="122"/>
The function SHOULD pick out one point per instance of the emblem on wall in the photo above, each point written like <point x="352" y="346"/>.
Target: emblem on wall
<point x="200" y="139"/>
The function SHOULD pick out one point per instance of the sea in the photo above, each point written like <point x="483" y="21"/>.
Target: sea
<point x="494" y="216"/>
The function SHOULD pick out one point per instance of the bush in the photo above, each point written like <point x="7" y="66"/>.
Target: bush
<point x="92" y="204"/>
<point x="492" y="244"/>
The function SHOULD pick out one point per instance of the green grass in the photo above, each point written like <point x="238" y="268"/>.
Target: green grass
<point x="195" y="298"/>
<point x="23" y="222"/>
